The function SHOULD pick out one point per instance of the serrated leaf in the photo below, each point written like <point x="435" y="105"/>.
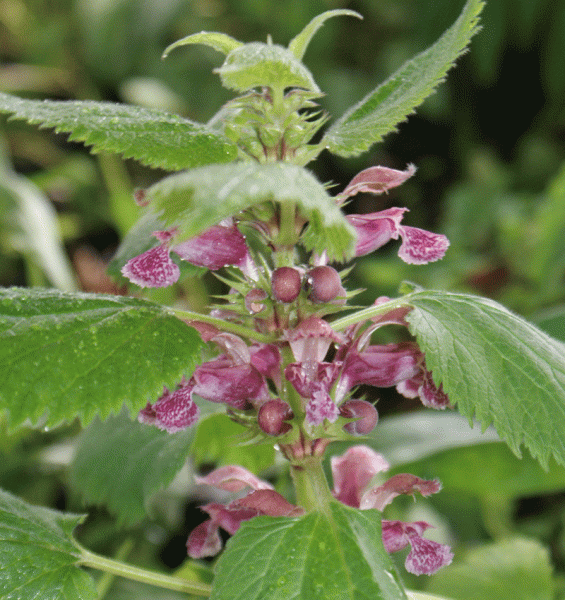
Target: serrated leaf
<point x="65" y="355"/>
<point x="121" y="463"/>
<point x="320" y="556"/>
<point x="517" y="568"/>
<point x="152" y="137"/>
<point x="368" y="121"/>
<point x="197" y="199"/>
<point x="300" y="42"/>
<point x="38" y="558"/>
<point x="257" y="65"/>
<point x="496" y="366"/>
<point x="218" y="41"/>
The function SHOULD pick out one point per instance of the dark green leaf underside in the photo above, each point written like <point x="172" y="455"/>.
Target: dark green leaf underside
<point x="37" y="555"/>
<point x="195" y="200"/>
<point x="121" y="463"/>
<point x="68" y="355"/>
<point x="496" y="366"/>
<point x="154" y="138"/>
<point x="381" y="110"/>
<point x="318" y="557"/>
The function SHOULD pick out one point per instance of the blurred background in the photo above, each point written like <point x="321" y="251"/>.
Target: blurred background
<point x="489" y="147"/>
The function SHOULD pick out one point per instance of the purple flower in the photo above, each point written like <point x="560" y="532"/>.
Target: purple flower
<point x="422" y="385"/>
<point x="376" y="180"/>
<point x="426" y="556"/>
<point x="154" y="268"/>
<point x="215" y="248"/>
<point x="352" y="473"/>
<point x="263" y="500"/>
<point x="376" y="229"/>
<point x="172" y="412"/>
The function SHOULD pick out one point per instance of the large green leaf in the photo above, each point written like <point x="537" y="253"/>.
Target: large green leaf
<point x="321" y="556"/>
<point x="495" y="366"/>
<point x="154" y="138"/>
<point x="368" y="121"/>
<point x="38" y="558"/>
<point x="257" y="65"/>
<point x="516" y="568"/>
<point x="122" y="463"/>
<point x="194" y="200"/>
<point x="65" y="355"/>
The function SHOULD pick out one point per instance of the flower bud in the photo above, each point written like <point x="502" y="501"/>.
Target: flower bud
<point x="254" y="300"/>
<point x="324" y="283"/>
<point x="365" y="413"/>
<point x="285" y="283"/>
<point x="272" y="416"/>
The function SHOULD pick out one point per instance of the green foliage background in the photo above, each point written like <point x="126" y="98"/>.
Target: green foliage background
<point x="490" y="156"/>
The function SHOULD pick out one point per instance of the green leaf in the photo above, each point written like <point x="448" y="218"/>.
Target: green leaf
<point x="38" y="558"/>
<point x="67" y="355"/>
<point x="154" y="138"/>
<point x="320" y="556"/>
<point x="219" y="41"/>
<point x="517" y="568"/>
<point x="197" y="199"/>
<point x="122" y="463"/>
<point x="258" y="65"/>
<point x="368" y="121"/>
<point x="299" y="43"/>
<point x="218" y="441"/>
<point x="496" y="366"/>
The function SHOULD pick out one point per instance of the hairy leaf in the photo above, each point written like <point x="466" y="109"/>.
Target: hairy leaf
<point x="495" y="366"/>
<point x="368" y="121"/>
<point x="122" y="463"/>
<point x="322" y="556"/>
<point x="219" y="41"/>
<point x="300" y="42"/>
<point x="257" y="65"/>
<point x="195" y="200"/>
<point x="65" y="355"/>
<point x="154" y="138"/>
<point x="38" y="558"/>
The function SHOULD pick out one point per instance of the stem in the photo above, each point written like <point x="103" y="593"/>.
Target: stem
<point x="287" y="226"/>
<point x="95" y="561"/>
<point x="310" y="484"/>
<point x="368" y="313"/>
<point x="241" y="330"/>
<point x="104" y="584"/>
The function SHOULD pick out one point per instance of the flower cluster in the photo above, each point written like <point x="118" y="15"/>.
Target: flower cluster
<point x="352" y="473"/>
<point x="299" y="387"/>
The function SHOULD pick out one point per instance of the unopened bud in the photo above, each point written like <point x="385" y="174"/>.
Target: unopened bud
<point x="254" y="300"/>
<point x="324" y="283"/>
<point x="285" y="283"/>
<point x="272" y="416"/>
<point x="365" y="413"/>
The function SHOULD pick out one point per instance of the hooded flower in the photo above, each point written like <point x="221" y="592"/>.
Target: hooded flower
<point x="352" y="473"/>
<point x="262" y="500"/>
<point x="173" y="411"/>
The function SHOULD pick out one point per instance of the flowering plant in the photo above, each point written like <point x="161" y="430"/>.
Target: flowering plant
<point x="285" y="350"/>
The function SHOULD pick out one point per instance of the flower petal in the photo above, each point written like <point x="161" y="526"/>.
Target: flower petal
<point x="233" y="478"/>
<point x="177" y="410"/>
<point x="320" y="407"/>
<point x="269" y="502"/>
<point x="426" y="556"/>
<point x="215" y="248"/>
<point x="376" y="180"/>
<point x="353" y="471"/>
<point x="154" y="268"/>
<point x="380" y="496"/>
<point x="204" y="540"/>
<point x="420" y="246"/>
<point x="376" y="229"/>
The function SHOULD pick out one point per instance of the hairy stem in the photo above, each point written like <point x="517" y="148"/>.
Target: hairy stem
<point x="108" y="565"/>
<point x="368" y="313"/>
<point x="310" y="484"/>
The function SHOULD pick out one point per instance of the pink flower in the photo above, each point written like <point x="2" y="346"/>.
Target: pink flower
<point x="422" y="385"/>
<point x="172" y="412"/>
<point x="352" y="473"/>
<point x="154" y="268"/>
<point x="376" y="229"/>
<point x="426" y="556"/>
<point x="263" y="500"/>
<point x="215" y="248"/>
<point x="376" y="180"/>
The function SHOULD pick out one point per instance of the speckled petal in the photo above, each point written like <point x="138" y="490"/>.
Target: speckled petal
<point x="420" y="246"/>
<point x="153" y="268"/>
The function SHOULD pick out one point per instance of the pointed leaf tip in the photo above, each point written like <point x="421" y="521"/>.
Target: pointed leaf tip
<point x="299" y="44"/>
<point x="218" y="41"/>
